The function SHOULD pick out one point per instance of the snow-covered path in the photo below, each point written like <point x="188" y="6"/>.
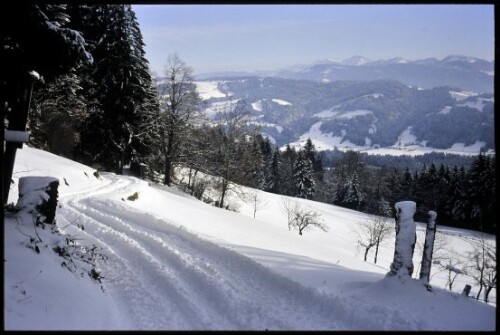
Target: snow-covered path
<point x="175" y="262"/>
<point x="163" y="277"/>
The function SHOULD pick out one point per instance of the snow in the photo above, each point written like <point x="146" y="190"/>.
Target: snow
<point x="406" y="138"/>
<point x="321" y="140"/>
<point x="405" y="239"/>
<point x="209" y="89"/>
<point x="266" y="124"/>
<point x="35" y="75"/>
<point x="353" y="114"/>
<point x="32" y="191"/>
<point x="329" y="113"/>
<point x="257" y="105"/>
<point x="477" y="104"/>
<point x="476" y="147"/>
<point x="445" y="110"/>
<point x="219" y="106"/>
<point x="282" y="102"/>
<point x="407" y="143"/>
<point x="176" y="263"/>
<point x="458" y="96"/>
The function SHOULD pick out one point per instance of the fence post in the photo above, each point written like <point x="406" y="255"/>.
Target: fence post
<point x="430" y="233"/>
<point x="39" y="195"/>
<point x="402" y="265"/>
<point x="466" y="290"/>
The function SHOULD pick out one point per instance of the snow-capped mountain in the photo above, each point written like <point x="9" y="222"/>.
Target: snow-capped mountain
<point x="362" y="115"/>
<point x="356" y="61"/>
<point x="468" y="73"/>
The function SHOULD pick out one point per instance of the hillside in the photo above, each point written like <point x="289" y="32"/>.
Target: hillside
<point x="361" y="115"/>
<point x="173" y="262"/>
<point x="467" y="73"/>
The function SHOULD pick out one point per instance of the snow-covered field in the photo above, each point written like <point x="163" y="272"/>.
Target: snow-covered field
<point x="407" y="143"/>
<point x="209" y="89"/>
<point x="177" y="263"/>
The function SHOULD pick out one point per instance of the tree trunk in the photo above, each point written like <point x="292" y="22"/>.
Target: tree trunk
<point x="366" y="252"/>
<point x="168" y="166"/>
<point x="376" y="252"/>
<point x="168" y="160"/>
<point x="479" y="292"/>
<point x="223" y="193"/>
<point x="487" y="293"/>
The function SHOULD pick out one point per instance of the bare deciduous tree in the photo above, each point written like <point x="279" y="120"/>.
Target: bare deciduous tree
<point x="301" y="218"/>
<point x="288" y="207"/>
<point x="179" y="103"/>
<point x="257" y="202"/>
<point x="372" y="233"/>
<point x="229" y="152"/>
<point x="483" y="267"/>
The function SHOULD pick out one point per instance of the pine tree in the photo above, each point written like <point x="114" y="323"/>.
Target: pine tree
<point x="313" y="156"/>
<point x="117" y="128"/>
<point x="289" y="157"/>
<point x="352" y="195"/>
<point x="407" y="187"/>
<point x="58" y="105"/>
<point x="274" y="183"/>
<point x="481" y="192"/>
<point x="36" y="41"/>
<point x="303" y="177"/>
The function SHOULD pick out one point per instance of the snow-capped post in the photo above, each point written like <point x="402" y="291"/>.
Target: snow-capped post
<point x="430" y="233"/>
<point x="39" y="195"/>
<point x="406" y="235"/>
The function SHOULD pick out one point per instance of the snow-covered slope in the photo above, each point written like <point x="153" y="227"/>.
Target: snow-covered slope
<point x="177" y="263"/>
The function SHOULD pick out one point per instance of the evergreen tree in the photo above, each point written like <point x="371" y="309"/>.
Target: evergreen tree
<point x="351" y="195"/>
<point x="457" y="206"/>
<point x="274" y="183"/>
<point x="115" y="131"/>
<point x="407" y="185"/>
<point x="259" y="164"/>
<point x="289" y="157"/>
<point x="303" y="177"/>
<point x="312" y="155"/>
<point x="57" y="110"/>
<point x="481" y="191"/>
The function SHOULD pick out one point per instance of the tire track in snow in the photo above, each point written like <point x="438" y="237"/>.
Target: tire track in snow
<point x="172" y="279"/>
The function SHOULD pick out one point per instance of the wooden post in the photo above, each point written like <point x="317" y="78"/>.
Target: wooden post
<point x="39" y="194"/>
<point x="402" y="264"/>
<point x="466" y="290"/>
<point x="430" y="233"/>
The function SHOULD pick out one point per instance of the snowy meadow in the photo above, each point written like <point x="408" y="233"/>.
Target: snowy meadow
<point x="142" y="256"/>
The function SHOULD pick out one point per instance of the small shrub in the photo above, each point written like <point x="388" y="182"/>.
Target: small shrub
<point x="133" y="197"/>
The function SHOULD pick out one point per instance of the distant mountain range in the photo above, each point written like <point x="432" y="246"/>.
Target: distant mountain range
<point x="361" y="115"/>
<point x="467" y="73"/>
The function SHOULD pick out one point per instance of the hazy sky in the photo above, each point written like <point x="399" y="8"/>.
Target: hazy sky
<point x="268" y="37"/>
